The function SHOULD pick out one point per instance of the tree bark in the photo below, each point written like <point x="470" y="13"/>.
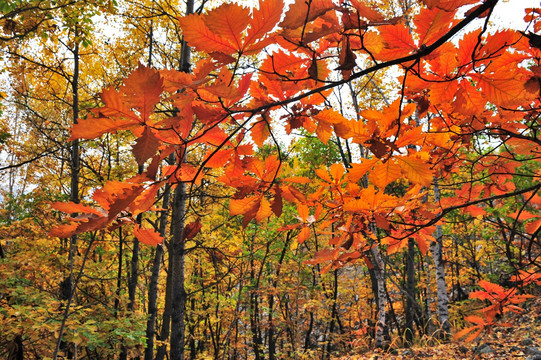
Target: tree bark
<point x="166" y="318"/>
<point x="75" y="156"/>
<point x="379" y="272"/>
<point x="119" y="272"/>
<point x="410" y="288"/>
<point x="154" y="278"/>
<point x="255" y="323"/>
<point x="177" y="257"/>
<point x="436" y="249"/>
<point x="177" y="254"/>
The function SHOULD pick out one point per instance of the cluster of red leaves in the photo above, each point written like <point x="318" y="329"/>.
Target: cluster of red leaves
<point x="501" y="301"/>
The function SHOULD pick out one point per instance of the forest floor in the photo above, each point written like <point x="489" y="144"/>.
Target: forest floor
<point x="521" y="341"/>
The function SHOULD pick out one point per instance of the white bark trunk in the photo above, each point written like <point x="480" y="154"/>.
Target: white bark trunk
<point x="436" y="249"/>
<point x="379" y="269"/>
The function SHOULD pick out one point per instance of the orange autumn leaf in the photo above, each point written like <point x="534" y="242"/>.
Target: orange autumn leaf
<point x="502" y="89"/>
<point x="147" y="236"/>
<point x="367" y="11"/>
<point x="432" y="24"/>
<point x="264" y="211"/>
<point x="398" y="41"/>
<point x="416" y="170"/>
<point x="263" y="20"/>
<point x="142" y="90"/>
<point x="358" y="170"/>
<point x="201" y="38"/>
<point x="220" y="32"/>
<point x="303" y="212"/>
<point x="64" y="230"/>
<point x="475" y="332"/>
<point x="93" y="127"/>
<point x="243" y="205"/>
<point x="533" y="226"/>
<point x="385" y="173"/>
<point x="303" y="235"/>
<point x="71" y="207"/>
<point x="229" y="20"/>
<point x="301" y="12"/>
<point x="145" y="200"/>
<point x="448" y="5"/>
<point x="260" y="132"/>
<point x="145" y="146"/>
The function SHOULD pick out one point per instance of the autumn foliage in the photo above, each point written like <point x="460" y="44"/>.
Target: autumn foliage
<point x="460" y="117"/>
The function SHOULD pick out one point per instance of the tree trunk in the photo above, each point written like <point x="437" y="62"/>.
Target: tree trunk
<point x="410" y="288"/>
<point x="178" y="293"/>
<point x="436" y="249"/>
<point x="75" y="156"/>
<point x="74" y="181"/>
<point x="119" y="272"/>
<point x="178" y="218"/>
<point x="154" y="278"/>
<point x="379" y="272"/>
<point x="255" y="327"/>
<point x="134" y="265"/>
<point x="334" y="315"/>
<point x="166" y="318"/>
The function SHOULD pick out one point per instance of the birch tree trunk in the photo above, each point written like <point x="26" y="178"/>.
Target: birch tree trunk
<point x="379" y="271"/>
<point x="410" y="288"/>
<point x="436" y="248"/>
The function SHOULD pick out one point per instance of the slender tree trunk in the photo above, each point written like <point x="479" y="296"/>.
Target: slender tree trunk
<point x="166" y="318"/>
<point x="69" y="302"/>
<point x="271" y="340"/>
<point x="437" y="254"/>
<point x="334" y="315"/>
<point x="74" y="180"/>
<point x="177" y="253"/>
<point x="191" y="332"/>
<point x="154" y="278"/>
<point x="379" y="272"/>
<point x="177" y="257"/>
<point x="429" y="323"/>
<point x="257" y="341"/>
<point x="134" y="267"/>
<point x="119" y="272"/>
<point x="134" y="274"/>
<point x="307" y="341"/>
<point x="75" y="156"/>
<point x="410" y="288"/>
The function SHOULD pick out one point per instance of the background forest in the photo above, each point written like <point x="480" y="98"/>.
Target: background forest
<point x="299" y="180"/>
